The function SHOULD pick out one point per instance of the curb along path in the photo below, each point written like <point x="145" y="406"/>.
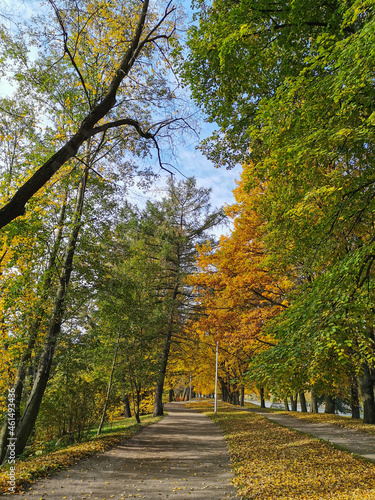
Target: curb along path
<point x="183" y="456"/>
<point x="358" y="442"/>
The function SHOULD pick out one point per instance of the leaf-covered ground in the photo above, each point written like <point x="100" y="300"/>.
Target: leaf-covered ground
<point x="32" y="468"/>
<point x="273" y="462"/>
<point x="321" y="418"/>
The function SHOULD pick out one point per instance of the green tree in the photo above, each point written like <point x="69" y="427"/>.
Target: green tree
<point x="242" y="53"/>
<point x="128" y="307"/>
<point x="172" y="229"/>
<point x="301" y="109"/>
<point x="72" y="86"/>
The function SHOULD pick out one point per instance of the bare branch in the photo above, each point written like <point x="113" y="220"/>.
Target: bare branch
<point x="67" y="51"/>
<point x="120" y="123"/>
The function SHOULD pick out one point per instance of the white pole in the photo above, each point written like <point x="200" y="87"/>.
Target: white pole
<point x="217" y="356"/>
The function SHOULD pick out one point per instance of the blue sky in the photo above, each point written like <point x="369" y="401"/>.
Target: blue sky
<point x="191" y="162"/>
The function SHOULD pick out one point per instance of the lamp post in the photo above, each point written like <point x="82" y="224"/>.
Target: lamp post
<point x="217" y="357"/>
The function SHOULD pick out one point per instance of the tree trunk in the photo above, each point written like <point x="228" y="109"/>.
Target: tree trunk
<point x="262" y="400"/>
<point x="126" y="403"/>
<point x="354" y="397"/>
<point x="224" y="391"/>
<point x="314" y="402"/>
<point x="16" y="205"/>
<point x="236" y="397"/>
<point x="26" y="423"/>
<point x="242" y="400"/>
<point x="302" y="401"/>
<point x="286" y="404"/>
<point x="185" y="393"/>
<point x="293" y="402"/>
<point x="158" y="402"/>
<point x="109" y="386"/>
<point x="366" y="381"/>
<point x="137" y="401"/>
<point x="330" y="404"/>
<point x="26" y="356"/>
<point x="171" y="395"/>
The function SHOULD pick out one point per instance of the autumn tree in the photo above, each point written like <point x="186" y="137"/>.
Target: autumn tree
<point x="171" y="229"/>
<point x="243" y="53"/>
<point x="105" y="65"/>
<point x="237" y="290"/>
<point x="141" y="290"/>
<point x="89" y="55"/>
<point x="128" y="308"/>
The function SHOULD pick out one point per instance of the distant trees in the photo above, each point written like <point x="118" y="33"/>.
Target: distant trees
<point x="238" y="293"/>
<point x="161" y="241"/>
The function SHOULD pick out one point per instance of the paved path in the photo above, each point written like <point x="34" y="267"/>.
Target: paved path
<point x="184" y="456"/>
<point x="350" y="440"/>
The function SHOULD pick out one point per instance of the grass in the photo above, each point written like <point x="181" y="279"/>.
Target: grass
<point x="34" y="467"/>
<point x="273" y="462"/>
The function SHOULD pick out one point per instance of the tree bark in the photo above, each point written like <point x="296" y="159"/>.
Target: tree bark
<point x="330" y="404"/>
<point x="16" y="205"/>
<point x="171" y="395"/>
<point x="302" y="401"/>
<point x="158" y="402"/>
<point x="286" y="404"/>
<point x="293" y="402"/>
<point x="137" y="401"/>
<point x="224" y="391"/>
<point x="354" y="397"/>
<point x="236" y="397"/>
<point x="26" y="356"/>
<point x="262" y="400"/>
<point x="185" y="393"/>
<point x="26" y="423"/>
<point x="314" y="402"/>
<point x="242" y="400"/>
<point x="366" y="381"/>
<point x="126" y="403"/>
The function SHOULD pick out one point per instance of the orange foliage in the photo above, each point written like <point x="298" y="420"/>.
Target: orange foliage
<point x="236" y="288"/>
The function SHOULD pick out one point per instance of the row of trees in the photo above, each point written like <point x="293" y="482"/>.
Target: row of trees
<point x="97" y="296"/>
<point x="126" y="304"/>
<point x="290" y="85"/>
<point x="92" y="290"/>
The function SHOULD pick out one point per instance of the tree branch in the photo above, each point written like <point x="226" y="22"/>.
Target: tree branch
<point x="16" y="205"/>
<point x="67" y="51"/>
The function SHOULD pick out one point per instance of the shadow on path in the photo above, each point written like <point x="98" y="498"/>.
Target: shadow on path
<point x="183" y="456"/>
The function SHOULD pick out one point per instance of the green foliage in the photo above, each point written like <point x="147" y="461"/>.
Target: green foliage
<point x="241" y="53"/>
<point x="290" y="85"/>
<point x="73" y="401"/>
<point x="147" y="260"/>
